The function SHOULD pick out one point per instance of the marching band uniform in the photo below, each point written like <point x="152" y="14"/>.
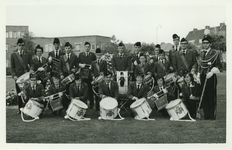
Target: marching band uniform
<point x="98" y="67"/>
<point x="108" y="88"/>
<point x="135" y="59"/>
<point x="185" y="54"/>
<point x="191" y="92"/>
<point x="87" y="58"/>
<point x="20" y="60"/>
<point x="209" y="59"/>
<point x="55" y="54"/>
<point x="121" y="61"/>
<point x="54" y="89"/>
<point x="143" y="68"/>
<point x="78" y="90"/>
<point x="37" y="62"/>
<point x="174" y="49"/>
<point x="156" y="56"/>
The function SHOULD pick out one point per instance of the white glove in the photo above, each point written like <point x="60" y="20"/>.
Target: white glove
<point x="215" y="70"/>
<point x="82" y="65"/>
<point x="50" y="97"/>
<point x="135" y="63"/>
<point x="135" y="98"/>
<point x="77" y="98"/>
<point x="180" y="94"/>
<point x="40" y="69"/>
<point x="156" y="96"/>
<point x="209" y="75"/>
<point x="60" y="94"/>
<point x="165" y="91"/>
<point x="49" y="58"/>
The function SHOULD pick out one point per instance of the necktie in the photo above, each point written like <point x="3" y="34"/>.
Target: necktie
<point x="57" y="54"/>
<point x="138" y="88"/>
<point x="87" y="54"/>
<point x="184" y="52"/>
<point x="21" y="54"/>
<point x="161" y="88"/>
<point x="108" y="86"/>
<point x="78" y="89"/>
<point x="204" y="53"/>
<point x="33" y="89"/>
<point x="176" y="48"/>
<point x="40" y="60"/>
<point x="68" y="57"/>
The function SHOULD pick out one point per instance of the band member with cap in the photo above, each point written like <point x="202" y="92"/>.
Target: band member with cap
<point x="20" y="62"/>
<point x="37" y="62"/>
<point x="34" y="91"/>
<point x="176" y="48"/>
<point x="191" y="91"/>
<point x="143" y="67"/>
<point x="185" y="60"/>
<point x="108" y="87"/>
<point x="85" y="60"/>
<point x="135" y="58"/>
<point x="121" y="61"/>
<point x="162" y="67"/>
<point x="162" y="89"/>
<point x="210" y="64"/>
<point x="78" y="90"/>
<point x="56" y="87"/>
<point x="98" y="68"/>
<point x="55" y="54"/>
<point x="156" y="50"/>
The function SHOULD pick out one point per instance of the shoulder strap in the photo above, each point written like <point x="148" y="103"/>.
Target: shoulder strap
<point x="21" y="61"/>
<point x="162" y="65"/>
<point x="184" y="61"/>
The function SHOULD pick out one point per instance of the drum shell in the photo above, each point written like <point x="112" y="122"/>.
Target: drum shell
<point x="75" y="111"/>
<point x="23" y="80"/>
<point x="122" y="89"/>
<point x="142" y="110"/>
<point x="107" y="113"/>
<point x="33" y="109"/>
<point x="178" y="110"/>
<point x="56" y="104"/>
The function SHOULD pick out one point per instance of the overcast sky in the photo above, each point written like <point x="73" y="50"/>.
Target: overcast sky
<point x="129" y="23"/>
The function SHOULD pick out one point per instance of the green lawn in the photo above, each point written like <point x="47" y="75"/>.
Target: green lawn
<point x="51" y="129"/>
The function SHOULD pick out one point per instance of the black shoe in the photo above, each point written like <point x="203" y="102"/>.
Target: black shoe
<point x="54" y="113"/>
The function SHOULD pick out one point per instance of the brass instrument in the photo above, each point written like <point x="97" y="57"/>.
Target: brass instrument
<point x="70" y="78"/>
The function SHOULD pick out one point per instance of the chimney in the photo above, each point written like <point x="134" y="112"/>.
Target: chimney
<point x="222" y="24"/>
<point x="207" y="27"/>
<point x="194" y="29"/>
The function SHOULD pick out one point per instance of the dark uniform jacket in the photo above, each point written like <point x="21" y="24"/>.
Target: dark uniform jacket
<point x="144" y="69"/>
<point x="132" y="91"/>
<point x="121" y="63"/>
<point x="16" y="67"/>
<point x="73" y="64"/>
<point x="54" y="67"/>
<point x="103" y="89"/>
<point x="161" y="69"/>
<point x="171" y="54"/>
<point x="82" y="93"/>
<point x="178" y="64"/>
<point x="97" y="67"/>
<point x="38" y="93"/>
<point x="36" y="64"/>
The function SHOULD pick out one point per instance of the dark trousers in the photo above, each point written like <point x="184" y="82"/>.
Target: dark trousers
<point x="19" y="99"/>
<point x="192" y="108"/>
<point x="97" y="99"/>
<point x="90" y="91"/>
<point x="209" y="101"/>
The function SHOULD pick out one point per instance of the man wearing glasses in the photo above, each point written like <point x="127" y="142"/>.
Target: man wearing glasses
<point x="20" y="63"/>
<point x="84" y="61"/>
<point x="209" y="65"/>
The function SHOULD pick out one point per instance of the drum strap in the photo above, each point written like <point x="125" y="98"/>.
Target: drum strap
<point x="120" y="117"/>
<point x="191" y="119"/>
<point x="82" y="119"/>
<point x="184" y="61"/>
<point x="21" y="61"/>
<point x="143" y="119"/>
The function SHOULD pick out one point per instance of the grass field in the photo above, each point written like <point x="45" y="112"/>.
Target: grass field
<point x="51" y="129"/>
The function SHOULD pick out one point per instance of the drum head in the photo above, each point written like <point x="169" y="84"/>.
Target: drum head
<point x="36" y="103"/>
<point x="137" y="103"/>
<point x="80" y="103"/>
<point x="23" y="77"/>
<point x="108" y="103"/>
<point x="173" y="103"/>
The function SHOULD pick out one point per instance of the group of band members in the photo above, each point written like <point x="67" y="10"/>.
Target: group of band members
<point x="88" y="66"/>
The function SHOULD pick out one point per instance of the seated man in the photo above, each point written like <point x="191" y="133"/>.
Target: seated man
<point x="34" y="91"/>
<point x="78" y="90"/>
<point x="137" y="89"/>
<point x="56" y="87"/>
<point x="108" y="87"/>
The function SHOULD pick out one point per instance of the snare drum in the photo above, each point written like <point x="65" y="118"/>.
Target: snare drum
<point x="176" y="109"/>
<point x="33" y="109"/>
<point x="76" y="110"/>
<point x="169" y="78"/>
<point x="23" y="79"/>
<point x="141" y="109"/>
<point x="108" y="108"/>
<point x="147" y="79"/>
<point x="97" y="80"/>
<point x="68" y="79"/>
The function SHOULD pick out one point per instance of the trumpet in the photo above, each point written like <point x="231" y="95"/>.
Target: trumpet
<point x="54" y="96"/>
<point x="68" y="79"/>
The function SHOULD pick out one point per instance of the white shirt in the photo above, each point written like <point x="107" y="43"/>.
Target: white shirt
<point x="68" y="55"/>
<point x="138" y="85"/>
<point x="207" y="51"/>
<point x="161" y="88"/>
<point x="20" y="52"/>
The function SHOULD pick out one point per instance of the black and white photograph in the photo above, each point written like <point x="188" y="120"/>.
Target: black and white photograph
<point x="116" y="74"/>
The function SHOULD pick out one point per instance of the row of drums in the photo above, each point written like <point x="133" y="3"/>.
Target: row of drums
<point x="108" y="110"/>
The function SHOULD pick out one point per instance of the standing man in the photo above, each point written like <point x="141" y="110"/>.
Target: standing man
<point x="85" y="60"/>
<point x="185" y="60"/>
<point x="20" y="63"/>
<point x="135" y="59"/>
<point x="98" y="68"/>
<point x="157" y="49"/>
<point x="121" y="61"/>
<point x="55" y="55"/>
<point x="176" y="48"/>
<point x="209" y="65"/>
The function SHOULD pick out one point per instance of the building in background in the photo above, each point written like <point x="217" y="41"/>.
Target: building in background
<point x="15" y="32"/>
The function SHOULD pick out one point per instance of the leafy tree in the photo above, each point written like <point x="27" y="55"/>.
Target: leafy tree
<point x="148" y="48"/>
<point x="29" y="44"/>
<point x="219" y="42"/>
